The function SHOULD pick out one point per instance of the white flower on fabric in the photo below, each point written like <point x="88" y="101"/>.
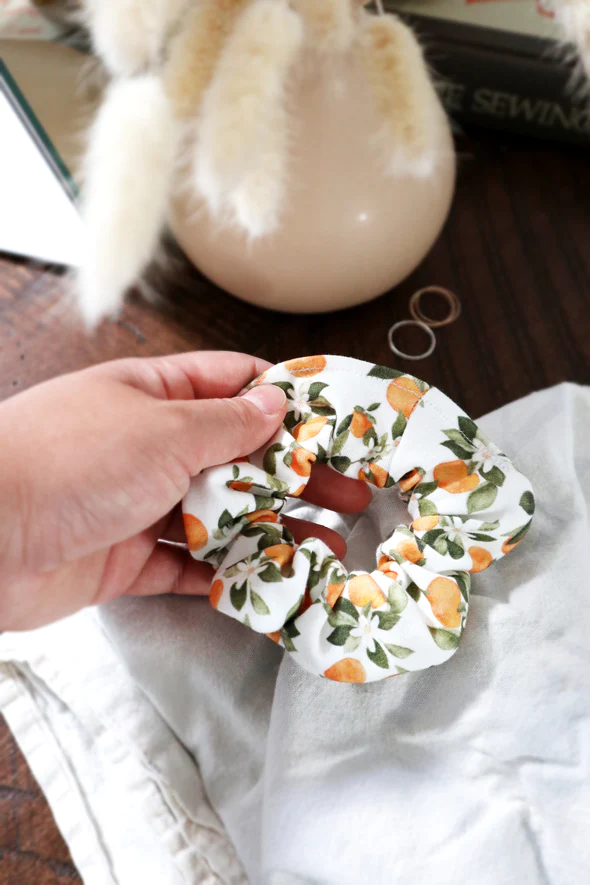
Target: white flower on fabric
<point x="366" y="631"/>
<point x="456" y="531"/>
<point x="250" y="568"/>
<point x="486" y="455"/>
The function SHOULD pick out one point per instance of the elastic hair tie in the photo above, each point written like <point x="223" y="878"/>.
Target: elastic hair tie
<point x="449" y="297"/>
<point x="409" y="356"/>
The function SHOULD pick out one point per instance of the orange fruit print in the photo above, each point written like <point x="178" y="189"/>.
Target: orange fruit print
<point x="453" y="477"/>
<point x="196" y="533"/>
<point x="216" y="592"/>
<point x="403" y="395"/>
<point x="379" y="477"/>
<point x="307" y="431"/>
<point x="363" y="589"/>
<point x="359" y="424"/>
<point x="480" y="558"/>
<point x="306" y="366"/>
<point x="302" y="461"/>
<point x="346" y="670"/>
<point x="444" y="597"/>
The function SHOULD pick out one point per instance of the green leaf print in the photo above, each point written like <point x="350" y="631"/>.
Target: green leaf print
<point x="527" y="502"/>
<point x="463" y="580"/>
<point x="459" y="438"/>
<point x="398" y="651"/>
<point x="339" y="635"/>
<point x="445" y="639"/>
<point x="271" y="574"/>
<point x="315" y="389"/>
<point x="339" y="442"/>
<point x="237" y="595"/>
<point x="322" y="454"/>
<point x="477" y="536"/>
<point x="226" y="519"/>
<point x="456" y="550"/>
<point x="414" y="591"/>
<point x="385" y="372"/>
<point x="340" y="619"/>
<point x="423" y="489"/>
<point x="430" y="536"/>
<point x="270" y="458"/>
<point x="290" y="422"/>
<point x="457" y="450"/>
<point x="490" y="526"/>
<point x="495" y="475"/>
<point x="387" y="620"/>
<point x="398" y="426"/>
<point x="345" y="605"/>
<point x="284" y="385"/>
<point x="441" y="545"/>
<point x="264" y="502"/>
<point x="369" y="436"/>
<point x="294" y="609"/>
<point x="235" y="471"/>
<point x="373" y="407"/>
<point x="378" y="657"/>
<point x="519" y="534"/>
<point x="482" y="497"/>
<point x="340" y="463"/>
<point x="426" y="507"/>
<point x="258" y="604"/>
<point x="397" y="598"/>
<point x="344" y="425"/>
<point x="468" y="427"/>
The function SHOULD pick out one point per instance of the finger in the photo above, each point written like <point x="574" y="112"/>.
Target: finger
<point x="208" y="432"/>
<point x="172" y="570"/>
<point x="301" y="529"/>
<point x="329" y="489"/>
<point x="187" y="376"/>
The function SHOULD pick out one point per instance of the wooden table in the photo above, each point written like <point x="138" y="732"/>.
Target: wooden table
<point x="516" y="250"/>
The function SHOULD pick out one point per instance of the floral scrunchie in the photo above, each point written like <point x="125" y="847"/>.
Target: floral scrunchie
<point x="468" y="503"/>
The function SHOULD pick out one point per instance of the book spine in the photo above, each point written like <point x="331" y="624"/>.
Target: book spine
<point x="484" y="83"/>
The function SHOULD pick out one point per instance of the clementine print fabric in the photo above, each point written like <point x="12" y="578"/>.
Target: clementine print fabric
<point x="468" y="506"/>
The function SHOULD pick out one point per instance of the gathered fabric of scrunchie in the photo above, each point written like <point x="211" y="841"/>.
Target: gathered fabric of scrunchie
<point x="469" y="506"/>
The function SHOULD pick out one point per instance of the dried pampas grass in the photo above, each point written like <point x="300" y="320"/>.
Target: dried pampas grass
<point x="329" y="24"/>
<point x="128" y="176"/>
<point x="402" y="93"/>
<point x="243" y="109"/>
<point x="195" y="50"/>
<point x="129" y="34"/>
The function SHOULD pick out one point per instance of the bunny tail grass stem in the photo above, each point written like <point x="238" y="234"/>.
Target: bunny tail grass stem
<point x="244" y="100"/>
<point x="403" y="95"/>
<point x="574" y="18"/>
<point x="129" y="34"/>
<point x="195" y="50"/>
<point x="129" y="167"/>
<point x="329" y="24"/>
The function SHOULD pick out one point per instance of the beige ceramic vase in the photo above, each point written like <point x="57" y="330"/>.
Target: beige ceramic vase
<point x="349" y="232"/>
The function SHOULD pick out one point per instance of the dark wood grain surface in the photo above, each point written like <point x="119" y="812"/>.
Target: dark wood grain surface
<point x="516" y="250"/>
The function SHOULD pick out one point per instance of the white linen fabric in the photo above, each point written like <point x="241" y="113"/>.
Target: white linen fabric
<point x="140" y="719"/>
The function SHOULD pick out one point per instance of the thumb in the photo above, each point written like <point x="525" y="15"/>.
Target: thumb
<point x="215" y="431"/>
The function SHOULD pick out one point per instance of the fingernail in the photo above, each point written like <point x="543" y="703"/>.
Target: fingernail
<point x="268" y="398"/>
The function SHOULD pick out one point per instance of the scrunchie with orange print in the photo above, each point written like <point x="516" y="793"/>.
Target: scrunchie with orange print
<point x="469" y="506"/>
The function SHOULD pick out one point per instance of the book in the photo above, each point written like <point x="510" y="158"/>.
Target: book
<point x="500" y="65"/>
<point x="43" y="112"/>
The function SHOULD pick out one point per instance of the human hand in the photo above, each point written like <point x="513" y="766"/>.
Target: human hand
<point x="93" y="466"/>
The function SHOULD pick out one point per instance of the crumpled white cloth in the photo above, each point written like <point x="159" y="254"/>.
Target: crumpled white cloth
<point x="142" y="718"/>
